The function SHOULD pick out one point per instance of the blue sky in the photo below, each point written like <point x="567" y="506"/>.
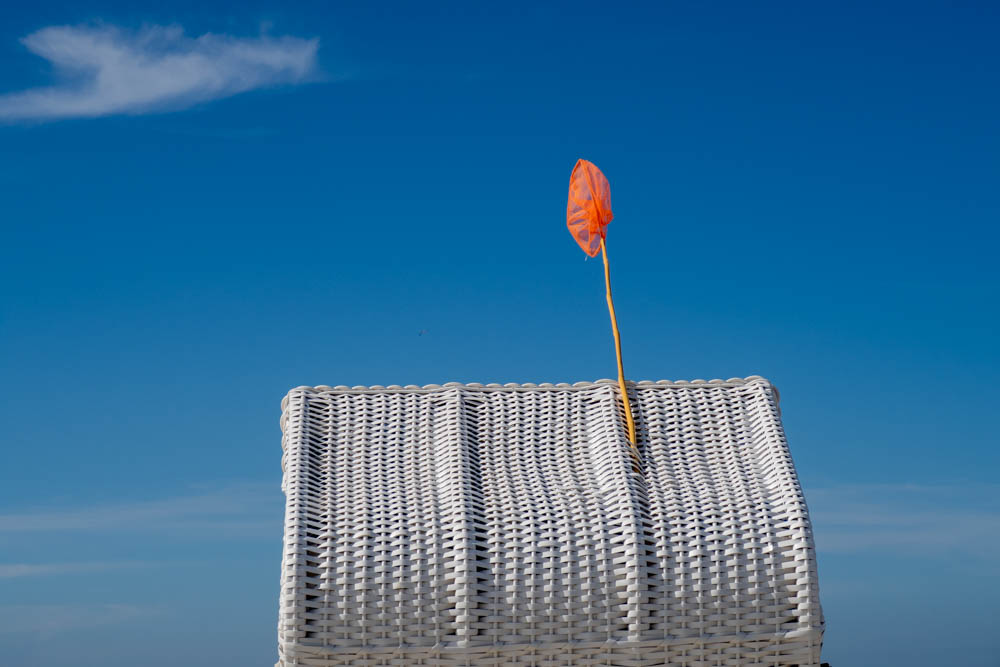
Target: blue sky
<point x="375" y="194"/>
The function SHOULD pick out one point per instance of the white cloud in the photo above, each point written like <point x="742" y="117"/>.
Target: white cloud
<point x="250" y="510"/>
<point x="105" y="70"/>
<point x="17" y="570"/>
<point x="907" y="519"/>
<point x="51" y="619"/>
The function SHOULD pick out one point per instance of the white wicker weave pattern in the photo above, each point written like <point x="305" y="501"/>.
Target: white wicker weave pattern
<point x="504" y="525"/>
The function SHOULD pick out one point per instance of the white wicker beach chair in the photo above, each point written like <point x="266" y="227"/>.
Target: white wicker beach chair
<point x="506" y="525"/>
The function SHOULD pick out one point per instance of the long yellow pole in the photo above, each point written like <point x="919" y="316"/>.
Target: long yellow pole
<point x="618" y="353"/>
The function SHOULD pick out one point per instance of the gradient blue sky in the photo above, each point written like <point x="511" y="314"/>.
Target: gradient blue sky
<point x="803" y="192"/>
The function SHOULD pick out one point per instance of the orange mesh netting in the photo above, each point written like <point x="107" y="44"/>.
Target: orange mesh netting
<point x="588" y="210"/>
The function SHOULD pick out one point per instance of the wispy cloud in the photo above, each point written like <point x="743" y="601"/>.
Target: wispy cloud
<point x="244" y="510"/>
<point x="52" y="619"/>
<point x="105" y="70"/>
<point x="16" y="570"/>
<point x="907" y="518"/>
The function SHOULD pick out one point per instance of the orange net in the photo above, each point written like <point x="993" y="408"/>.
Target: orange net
<point x="588" y="210"/>
<point x="588" y="213"/>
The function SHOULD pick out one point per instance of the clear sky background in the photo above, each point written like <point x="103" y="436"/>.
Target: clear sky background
<point x="375" y="194"/>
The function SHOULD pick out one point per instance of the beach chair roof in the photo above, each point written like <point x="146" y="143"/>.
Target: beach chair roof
<point x="506" y="524"/>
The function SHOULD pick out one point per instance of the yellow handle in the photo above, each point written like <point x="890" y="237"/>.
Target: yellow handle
<point x="618" y="353"/>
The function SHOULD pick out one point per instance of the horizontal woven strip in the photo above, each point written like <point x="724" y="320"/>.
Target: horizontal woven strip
<point x="497" y="525"/>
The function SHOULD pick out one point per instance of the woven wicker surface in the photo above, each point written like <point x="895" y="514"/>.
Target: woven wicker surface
<point x="505" y="525"/>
